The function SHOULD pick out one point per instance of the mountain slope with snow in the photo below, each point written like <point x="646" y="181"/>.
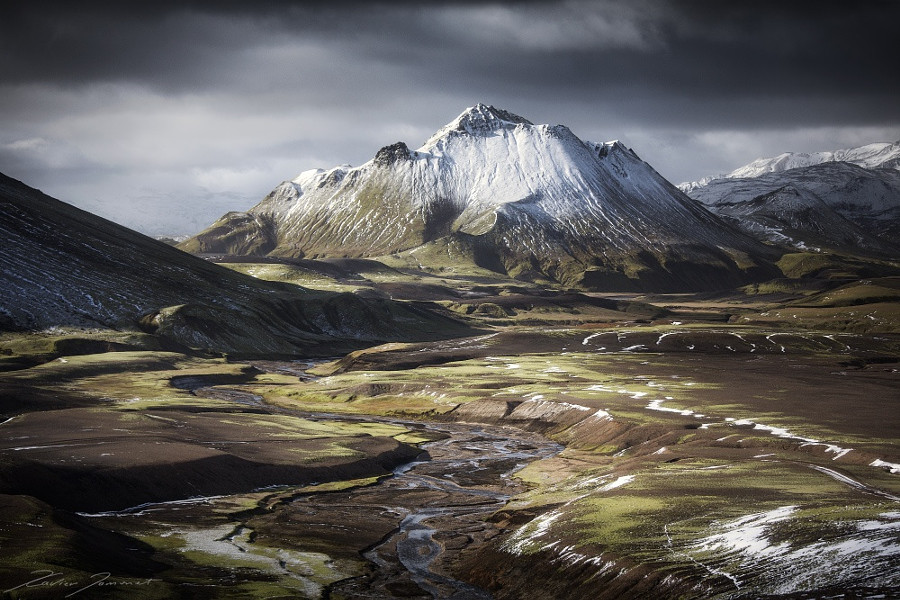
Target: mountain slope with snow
<point x="847" y="207"/>
<point x="61" y="266"/>
<point x="871" y="156"/>
<point x="532" y="201"/>
<point x="797" y="217"/>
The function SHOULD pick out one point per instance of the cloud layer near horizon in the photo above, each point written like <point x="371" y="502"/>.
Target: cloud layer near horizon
<point x="163" y="117"/>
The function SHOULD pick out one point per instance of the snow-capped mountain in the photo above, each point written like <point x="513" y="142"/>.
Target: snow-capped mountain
<point x="871" y="156"/>
<point x="799" y="218"/>
<point x="533" y="201"/>
<point x="844" y="206"/>
<point x="61" y="266"/>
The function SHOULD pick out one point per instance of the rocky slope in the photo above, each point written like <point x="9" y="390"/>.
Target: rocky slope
<point x="63" y="267"/>
<point x="494" y="190"/>
<point x="831" y="205"/>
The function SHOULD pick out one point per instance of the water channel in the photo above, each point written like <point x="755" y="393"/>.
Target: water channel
<point x="469" y="477"/>
<point x="441" y="501"/>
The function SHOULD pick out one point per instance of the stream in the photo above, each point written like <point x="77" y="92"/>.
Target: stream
<point x="441" y="500"/>
<point x="469" y="475"/>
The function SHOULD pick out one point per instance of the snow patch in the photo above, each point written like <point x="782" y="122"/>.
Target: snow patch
<point x="657" y="406"/>
<point x="585" y="341"/>
<point x="744" y="551"/>
<point x="623" y="480"/>
<point x="525" y="537"/>
<point x="892" y="467"/>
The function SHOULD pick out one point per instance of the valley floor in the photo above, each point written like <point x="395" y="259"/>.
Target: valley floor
<point x="706" y="469"/>
<point x="580" y="447"/>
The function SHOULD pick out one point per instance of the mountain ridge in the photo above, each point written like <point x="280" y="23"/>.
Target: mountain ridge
<point x="858" y="210"/>
<point x="879" y="155"/>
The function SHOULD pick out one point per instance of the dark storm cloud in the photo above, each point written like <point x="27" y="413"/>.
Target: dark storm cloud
<point x="712" y="63"/>
<point x="81" y="41"/>
<point x="226" y="97"/>
<point x="687" y="61"/>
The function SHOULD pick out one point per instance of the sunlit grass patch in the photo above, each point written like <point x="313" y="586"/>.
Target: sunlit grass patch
<point x="135" y="379"/>
<point x="78" y="367"/>
<point x="339" y="486"/>
<point x="287" y="426"/>
<point x="24" y="349"/>
<point x="183" y="401"/>
<point x="618" y="519"/>
<point x="291" y="274"/>
<point x="417" y="437"/>
<point x="274" y="379"/>
<point x="332" y="450"/>
<point x="433" y="389"/>
<point x="636" y="389"/>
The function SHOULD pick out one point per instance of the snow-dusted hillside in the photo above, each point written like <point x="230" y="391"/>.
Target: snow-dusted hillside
<point x="799" y="218"/>
<point x="61" y="266"/>
<point x="533" y="201"/>
<point x="845" y="207"/>
<point x="871" y="156"/>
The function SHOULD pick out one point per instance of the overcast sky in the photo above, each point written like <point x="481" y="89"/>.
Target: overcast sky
<point x="164" y="115"/>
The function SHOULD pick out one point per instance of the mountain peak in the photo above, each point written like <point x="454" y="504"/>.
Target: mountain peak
<point x="485" y="114"/>
<point x="480" y="120"/>
<point x="493" y="190"/>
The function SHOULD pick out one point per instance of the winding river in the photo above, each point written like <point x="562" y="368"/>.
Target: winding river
<point x="470" y="475"/>
<point x="446" y="494"/>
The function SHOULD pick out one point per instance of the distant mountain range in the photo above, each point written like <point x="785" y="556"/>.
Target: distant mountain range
<point x="871" y="156"/>
<point x="845" y="201"/>
<point x="63" y="267"/>
<point x="494" y="190"/>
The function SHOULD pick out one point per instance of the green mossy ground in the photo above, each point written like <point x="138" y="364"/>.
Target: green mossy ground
<point x="685" y="475"/>
<point x="106" y="402"/>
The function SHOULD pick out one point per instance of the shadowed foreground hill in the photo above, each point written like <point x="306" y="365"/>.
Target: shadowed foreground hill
<point x="61" y="266"/>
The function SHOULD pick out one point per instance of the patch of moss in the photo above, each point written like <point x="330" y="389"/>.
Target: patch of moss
<point x="833" y="266"/>
<point x="338" y="486"/>
<point x="616" y="519"/>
